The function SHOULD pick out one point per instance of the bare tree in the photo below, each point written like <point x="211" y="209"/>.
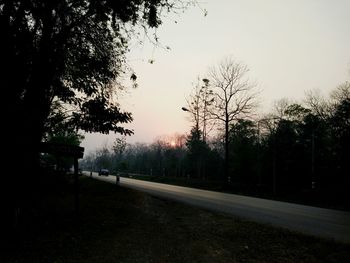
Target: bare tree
<point x="198" y="104"/>
<point x="280" y="107"/>
<point x="207" y="100"/>
<point x="317" y="104"/>
<point x="342" y="92"/>
<point x="234" y="98"/>
<point x="193" y="105"/>
<point x="119" y="146"/>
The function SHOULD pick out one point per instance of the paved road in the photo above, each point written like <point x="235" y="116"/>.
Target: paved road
<point x="321" y="222"/>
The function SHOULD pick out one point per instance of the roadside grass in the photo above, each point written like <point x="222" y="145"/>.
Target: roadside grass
<point x="121" y="225"/>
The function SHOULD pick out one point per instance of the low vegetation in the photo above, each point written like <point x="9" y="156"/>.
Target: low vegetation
<point x="123" y="225"/>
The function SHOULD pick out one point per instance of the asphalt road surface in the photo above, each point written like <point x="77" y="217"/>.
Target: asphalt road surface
<point x="327" y="223"/>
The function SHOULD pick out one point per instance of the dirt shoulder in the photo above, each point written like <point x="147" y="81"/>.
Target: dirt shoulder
<point x="122" y="225"/>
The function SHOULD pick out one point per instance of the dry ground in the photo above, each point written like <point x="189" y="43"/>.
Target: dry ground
<point x="122" y="225"/>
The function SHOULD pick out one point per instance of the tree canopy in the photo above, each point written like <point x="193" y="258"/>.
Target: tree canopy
<point x="71" y="53"/>
<point x="62" y="63"/>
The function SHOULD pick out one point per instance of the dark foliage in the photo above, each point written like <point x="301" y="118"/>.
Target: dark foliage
<point x="61" y="61"/>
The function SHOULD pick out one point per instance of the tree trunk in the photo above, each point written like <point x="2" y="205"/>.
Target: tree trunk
<point x="226" y="161"/>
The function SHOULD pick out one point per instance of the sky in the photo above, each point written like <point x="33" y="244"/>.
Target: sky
<point x="289" y="46"/>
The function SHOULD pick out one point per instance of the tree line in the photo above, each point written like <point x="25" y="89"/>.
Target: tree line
<point x="300" y="150"/>
<point x="166" y="156"/>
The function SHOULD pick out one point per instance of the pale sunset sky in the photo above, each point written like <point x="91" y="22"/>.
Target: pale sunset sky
<point x="290" y="47"/>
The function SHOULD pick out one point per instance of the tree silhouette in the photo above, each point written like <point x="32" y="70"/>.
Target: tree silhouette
<point x="197" y="153"/>
<point x="69" y="52"/>
<point x="243" y="138"/>
<point x="66" y="53"/>
<point x="234" y="98"/>
<point x="199" y="104"/>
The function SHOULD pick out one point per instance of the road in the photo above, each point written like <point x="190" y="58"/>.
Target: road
<point x="327" y="223"/>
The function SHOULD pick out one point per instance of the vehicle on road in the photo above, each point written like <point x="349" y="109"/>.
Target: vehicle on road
<point x="103" y="172"/>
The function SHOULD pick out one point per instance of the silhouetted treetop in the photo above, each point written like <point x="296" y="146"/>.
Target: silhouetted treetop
<point x="72" y="52"/>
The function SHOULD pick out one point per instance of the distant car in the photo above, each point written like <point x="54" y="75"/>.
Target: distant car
<point x="103" y="172"/>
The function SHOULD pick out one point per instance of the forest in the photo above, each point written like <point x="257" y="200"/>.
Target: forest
<point x="298" y="152"/>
